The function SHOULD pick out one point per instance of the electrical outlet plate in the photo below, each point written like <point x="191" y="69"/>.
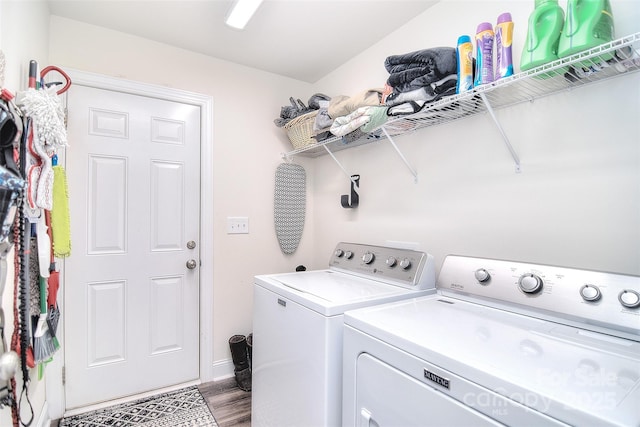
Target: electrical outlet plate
<point x="237" y="225"/>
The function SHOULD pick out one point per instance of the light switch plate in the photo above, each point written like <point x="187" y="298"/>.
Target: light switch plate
<point x="237" y="225"/>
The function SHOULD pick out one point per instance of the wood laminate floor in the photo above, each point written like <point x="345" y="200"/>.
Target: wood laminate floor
<point x="229" y="405"/>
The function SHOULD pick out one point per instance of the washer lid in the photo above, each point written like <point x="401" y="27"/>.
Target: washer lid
<point x="330" y="293"/>
<point x="571" y="374"/>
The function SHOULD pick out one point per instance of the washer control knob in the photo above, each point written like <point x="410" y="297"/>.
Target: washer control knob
<point x="590" y="293"/>
<point x="339" y="253"/>
<point x="348" y="254"/>
<point x="530" y="283"/>
<point x="482" y="275"/>
<point x="368" y="257"/>
<point x="405" y="263"/>
<point x="392" y="262"/>
<point x="629" y="298"/>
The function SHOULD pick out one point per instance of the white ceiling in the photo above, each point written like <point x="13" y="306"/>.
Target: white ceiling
<point x="302" y="39"/>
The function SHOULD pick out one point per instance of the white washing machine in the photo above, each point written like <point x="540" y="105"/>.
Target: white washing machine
<point x="298" y="326"/>
<point x="500" y="343"/>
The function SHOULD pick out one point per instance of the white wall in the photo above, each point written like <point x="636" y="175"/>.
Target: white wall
<point x="24" y="28"/>
<point x="576" y="202"/>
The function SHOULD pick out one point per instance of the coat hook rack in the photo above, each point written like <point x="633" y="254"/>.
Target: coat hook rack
<point x="350" y="201"/>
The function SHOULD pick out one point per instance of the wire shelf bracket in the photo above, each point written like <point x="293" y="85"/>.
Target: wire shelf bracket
<point x="353" y="181"/>
<point x="513" y="153"/>
<point x="404" y="159"/>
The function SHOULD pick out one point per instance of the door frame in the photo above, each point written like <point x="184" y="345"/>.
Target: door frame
<point x="55" y="400"/>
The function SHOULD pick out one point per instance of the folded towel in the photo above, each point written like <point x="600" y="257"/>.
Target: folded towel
<point x="377" y="117"/>
<point x="346" y="124"/>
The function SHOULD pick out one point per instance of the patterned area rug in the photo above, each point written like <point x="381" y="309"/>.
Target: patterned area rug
<point x="181" y="408"/>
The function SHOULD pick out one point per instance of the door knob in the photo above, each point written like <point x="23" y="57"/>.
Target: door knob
<point x="191" y="264"/>
<point x="191" y="244"/>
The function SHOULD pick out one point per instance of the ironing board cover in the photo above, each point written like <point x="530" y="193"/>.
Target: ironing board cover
<point x="289" y="205"/>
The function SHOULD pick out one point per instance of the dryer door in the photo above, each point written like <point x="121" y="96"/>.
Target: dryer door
<point x="387" y="397"/>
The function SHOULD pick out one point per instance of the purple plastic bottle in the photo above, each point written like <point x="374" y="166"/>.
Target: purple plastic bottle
<point x="504" y="40"/>
<point x="484" y="54"/>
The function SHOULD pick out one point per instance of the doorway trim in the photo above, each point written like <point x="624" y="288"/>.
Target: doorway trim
<point x="54" y="377"/>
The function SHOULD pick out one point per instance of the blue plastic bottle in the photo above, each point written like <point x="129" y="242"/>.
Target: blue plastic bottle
<point x="484" y="54"/>
<point x="464" y="53"/>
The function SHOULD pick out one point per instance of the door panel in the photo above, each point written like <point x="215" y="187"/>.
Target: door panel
<point x="167" y="216"/>
<point x="106" y="323"/>
<point x="107" y="216"/>
<point x="131" y="304"/>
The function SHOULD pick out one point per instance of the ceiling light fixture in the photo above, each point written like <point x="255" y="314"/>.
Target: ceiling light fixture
<point x="241" y="12"/>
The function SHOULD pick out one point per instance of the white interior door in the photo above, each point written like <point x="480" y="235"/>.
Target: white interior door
<point x="131" y="311"/>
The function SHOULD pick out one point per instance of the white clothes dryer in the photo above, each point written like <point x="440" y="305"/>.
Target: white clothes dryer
<point x="298" y="326"/>
<point x="500" y="343"/>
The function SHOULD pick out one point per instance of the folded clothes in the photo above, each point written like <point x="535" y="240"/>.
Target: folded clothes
<point x="323" y="121"/>
<point x="345" y="124"/>
<point x="426" y="81"/>
<point x="440" y="59"/>
<point x="377" y="117"/>
<point x="316" y="100"/>
<point x="424" y="75"/>
<point x="364" y="120"/>
<point x="407" y="76"/>
<point x="408" y="107"/>
<point x="431" y="92"/>
<point x="344" y="105"/>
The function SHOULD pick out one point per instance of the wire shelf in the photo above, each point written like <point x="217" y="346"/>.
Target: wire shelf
<point x="613" y="59"/>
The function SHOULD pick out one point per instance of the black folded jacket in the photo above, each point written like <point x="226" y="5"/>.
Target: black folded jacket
<point x="441" y="58"/>
<point x="420" y="68"/>
<point x="401" y="77"/>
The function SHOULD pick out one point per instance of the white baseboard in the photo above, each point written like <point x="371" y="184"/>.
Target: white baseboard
<point x="222" y="369"/>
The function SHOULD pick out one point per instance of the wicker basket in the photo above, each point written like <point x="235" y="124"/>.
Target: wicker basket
<point x="300" y="130"/>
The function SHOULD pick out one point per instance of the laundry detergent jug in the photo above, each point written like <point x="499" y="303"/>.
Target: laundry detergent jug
<point x="543" y="34"/>
<point x="588" y="23"/>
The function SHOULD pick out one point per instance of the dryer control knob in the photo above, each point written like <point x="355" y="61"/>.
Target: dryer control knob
<point x="405" y="263"/>
<point x="629" y="298"/>
<point x="530" y="283"/>
<point x="590" y="293"/>
<point x="348" y="255"/>
<point x="392" y="261"/>
<point x="368" y="257"/>
<point x="482" y="275"/>
<point x="339" y="253"/>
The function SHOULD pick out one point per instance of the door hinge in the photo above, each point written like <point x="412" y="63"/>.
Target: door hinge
<point x="64" y="375"/>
